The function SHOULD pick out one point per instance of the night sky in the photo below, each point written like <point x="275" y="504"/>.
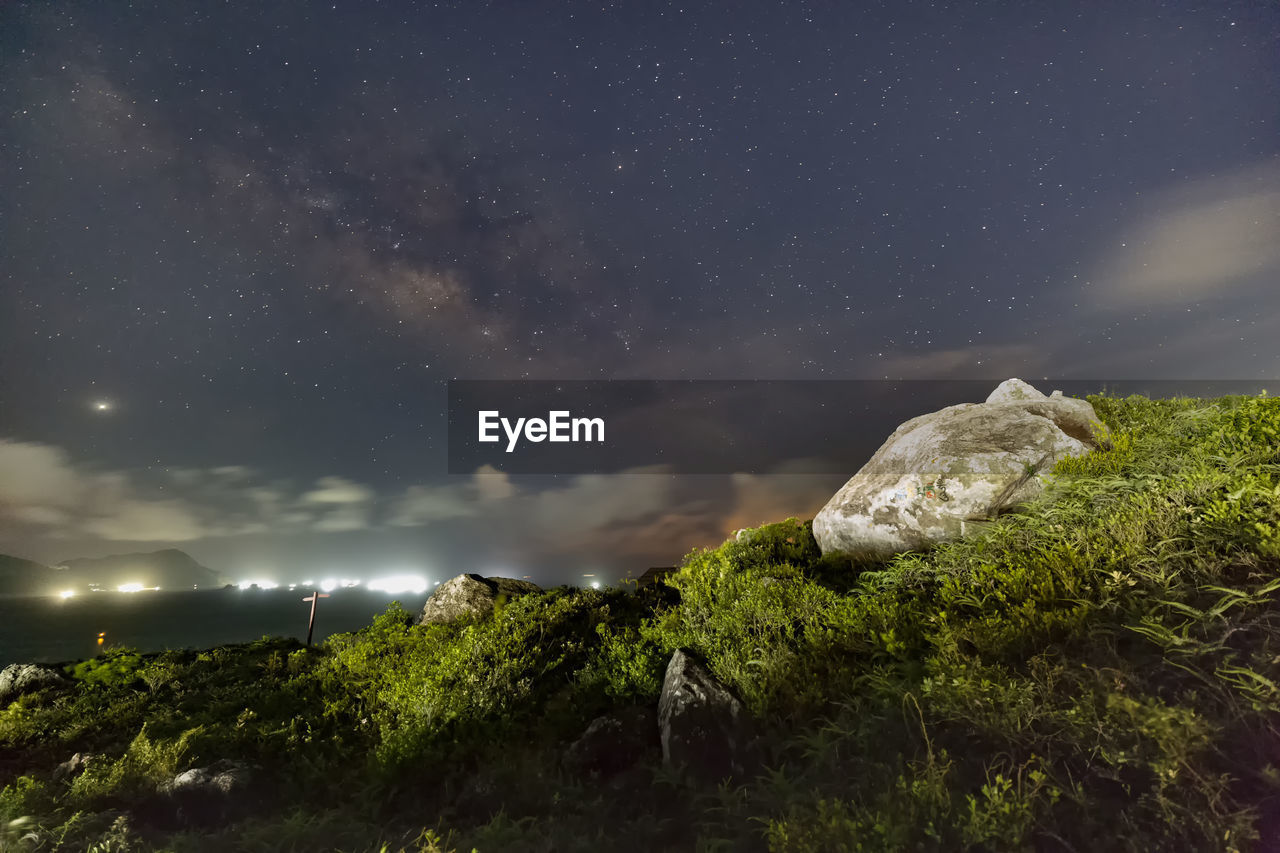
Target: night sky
<point x="243" y="245"/>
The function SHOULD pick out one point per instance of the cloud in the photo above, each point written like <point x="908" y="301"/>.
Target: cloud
<point x="425" y="504"/>
<point x="592" y="501"/>
<point x="421" y="505"/>
<point x="1217" y="236"/>
<point x="343" y="518"/>
<point x="47" y="494"/>
<point x="45" y="516"/>
<point x="492" y="484"/>
<point x="40" y="486"/>
<point x="347" y="505"/>
<point x="147" y="521"/>
<point x="625" y="516"/>
<point x="37" y="475"/>
<point x="336" y="490"/>
<point x="766" y="498"/>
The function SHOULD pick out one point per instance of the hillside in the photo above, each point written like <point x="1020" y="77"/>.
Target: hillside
<point x="168" y="569"/>
<point x="25" y="577"/>
<point x="1097" y="670"/>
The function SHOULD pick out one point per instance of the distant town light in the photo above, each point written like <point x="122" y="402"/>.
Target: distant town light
<point x="260" y="584"/>
<point x="399" y="583"/>
<point x="66" y="593"/>
<point x="130" y="587"/>
<point x="328" y="584"/>
<point x="595" y="584"/>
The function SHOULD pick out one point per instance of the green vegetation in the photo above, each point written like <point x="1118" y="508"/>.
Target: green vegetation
<point x="1096" y="671"/>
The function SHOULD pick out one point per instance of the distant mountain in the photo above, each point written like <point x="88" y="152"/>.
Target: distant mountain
<point x="167" y="569"/>
<point x="27" y="577"/>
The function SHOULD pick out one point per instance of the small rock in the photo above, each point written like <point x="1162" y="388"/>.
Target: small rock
<point x="72" y="767"/>
<point x="206" y="794"/>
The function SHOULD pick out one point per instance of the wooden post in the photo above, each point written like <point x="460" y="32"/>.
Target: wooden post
<point x="313" y="597"/>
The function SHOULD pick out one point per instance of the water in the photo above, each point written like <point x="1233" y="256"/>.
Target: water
<point x="50" y="630"/>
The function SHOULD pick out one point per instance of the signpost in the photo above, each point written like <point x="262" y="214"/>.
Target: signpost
<point x="313" y="597"/>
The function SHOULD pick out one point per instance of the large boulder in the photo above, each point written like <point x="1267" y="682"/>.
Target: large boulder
<point x="471" y="597"/>
<point x="964" y="463"/>
<point x="21" y="678"/>
<point x="703" y="727"/>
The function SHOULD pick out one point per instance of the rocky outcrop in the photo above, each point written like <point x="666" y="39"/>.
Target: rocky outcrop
<point x="471" y="597"/>
<point x="702" y="726"/>
<point x="964" y="463"/>
<point x="613" y="743"/>
<point x="21" y="678"/>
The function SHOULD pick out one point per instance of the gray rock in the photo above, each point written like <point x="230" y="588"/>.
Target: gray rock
<point x="223" y="778"/>
<point x="702" y="726"/>
<point x="19" y="679"/>
<point x="72" y="767"/>
<point x="1013" y="391"/>
<point x="471" y="597"/>
<point x="964" y="463"/>
<point x="613" y="743"/>
<point x="206" y="795"/>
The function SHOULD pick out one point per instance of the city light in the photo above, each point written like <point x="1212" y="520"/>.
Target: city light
<point x="130" y="587"/>
<point x="328" y="584"/>
<point x="399" y="583"/>
<point x="260" y="584"/>
<point x="66" y="593"/>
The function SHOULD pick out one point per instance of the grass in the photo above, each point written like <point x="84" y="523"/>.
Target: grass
<point x="1096" y="671"/>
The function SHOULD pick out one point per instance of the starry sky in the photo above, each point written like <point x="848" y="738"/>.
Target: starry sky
<point x="244" y="245"/>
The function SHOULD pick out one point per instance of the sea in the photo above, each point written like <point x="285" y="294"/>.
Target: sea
<point x="56" y="630"/>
